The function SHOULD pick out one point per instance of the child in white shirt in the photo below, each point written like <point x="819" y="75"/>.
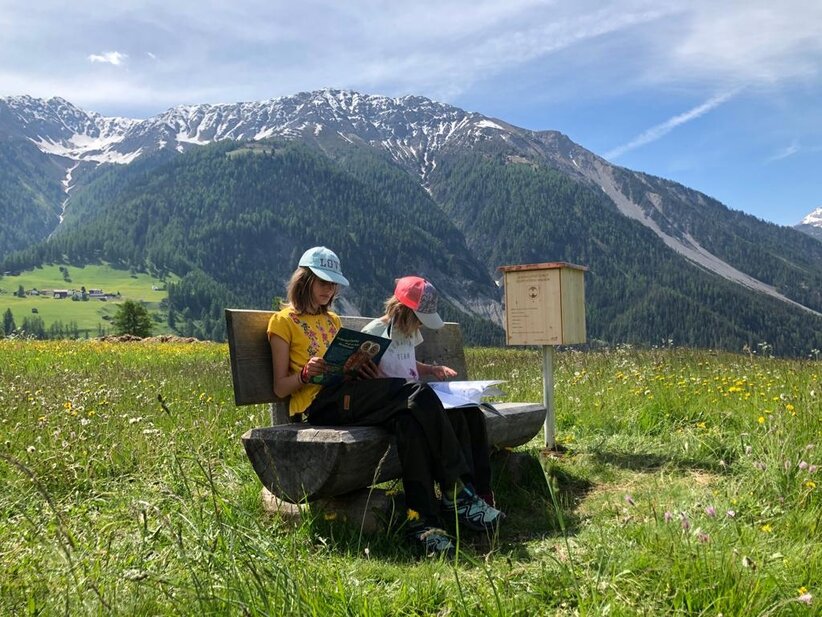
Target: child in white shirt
<point x="414" y="304"/>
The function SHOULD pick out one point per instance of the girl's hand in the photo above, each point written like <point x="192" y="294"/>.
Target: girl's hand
<point x="442" y="372"/>
<point x="369" y="370"/>
<point x="315" y="366"/>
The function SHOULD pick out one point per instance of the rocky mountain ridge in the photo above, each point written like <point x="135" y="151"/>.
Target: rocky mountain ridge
<point x="410" y="128"/>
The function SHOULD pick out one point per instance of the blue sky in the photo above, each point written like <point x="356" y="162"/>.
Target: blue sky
<point x="724" y="97"/>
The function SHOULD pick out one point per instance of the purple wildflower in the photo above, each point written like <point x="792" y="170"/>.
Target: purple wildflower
<point x="710" y="511"/>
<point x="629" y="500"/>
<point x="812" y="468"/>
<point x="668" y="517"/>
<point x="731" y="513"/>
<point x="703" y="537"/>
<point x="806" y="598"/>
<point x="803" y="465"/>
<point x="686" y="524"/>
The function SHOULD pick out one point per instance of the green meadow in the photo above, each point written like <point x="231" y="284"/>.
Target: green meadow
<point x="89" y="315"/>
<point x="687" y="483"/>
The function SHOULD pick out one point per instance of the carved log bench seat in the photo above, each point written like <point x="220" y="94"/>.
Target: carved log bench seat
<point x="298" y="462"/>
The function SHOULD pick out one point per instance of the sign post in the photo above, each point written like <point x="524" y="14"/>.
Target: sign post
<point x="545" y="305"/>
<point x="548" y="395"/>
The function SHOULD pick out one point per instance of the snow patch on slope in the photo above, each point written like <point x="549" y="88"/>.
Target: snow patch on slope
<point x="88" y="148"/>
<point x="814" y="218"/>
<point x="487" y="124"/>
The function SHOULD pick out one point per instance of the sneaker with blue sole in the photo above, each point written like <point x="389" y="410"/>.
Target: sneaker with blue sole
<point x="434" y="541"/>
<point x="472" y="512"/>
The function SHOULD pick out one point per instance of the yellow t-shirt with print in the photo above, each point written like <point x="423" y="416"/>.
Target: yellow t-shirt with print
<point x="307" y="336"/>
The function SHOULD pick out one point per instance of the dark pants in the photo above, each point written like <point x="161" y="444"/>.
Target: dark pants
<point x="427" y="445"/>
<point x="469" y="426"/>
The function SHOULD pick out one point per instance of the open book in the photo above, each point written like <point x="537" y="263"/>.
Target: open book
<point x="464" y="393"/>
<point x="349" y="350"/>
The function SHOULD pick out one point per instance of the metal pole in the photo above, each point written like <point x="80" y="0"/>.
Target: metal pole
<point x="548" y="395"/>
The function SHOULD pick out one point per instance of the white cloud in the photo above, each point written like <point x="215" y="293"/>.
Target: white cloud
<point x="106" y="94"/>
<point x="751" y="41"/>
<point x="458" y="60"/>
<point x="257" y="49"/>
<point x="786" y="152"/>
<point x="660" y="130"/>
<point x="109" y="57"/>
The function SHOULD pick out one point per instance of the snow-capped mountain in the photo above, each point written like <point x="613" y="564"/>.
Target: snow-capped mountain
<point x="57" y="127"/>
<point x="814" y="218"/>
<point x="412" y="129"/>
<point x="812" y="224"/>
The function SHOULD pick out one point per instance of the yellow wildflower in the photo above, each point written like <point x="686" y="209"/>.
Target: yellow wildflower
<point x="767" y="528"/>
<point x="810" y="484"/>
<point x="761" y="419"/>
<point x="330" y="516"/>
<point x="413" y="515"/>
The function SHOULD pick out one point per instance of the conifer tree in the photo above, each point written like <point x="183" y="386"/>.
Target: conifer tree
<point x="132" y="318"/>
<point x="8" y="322"/>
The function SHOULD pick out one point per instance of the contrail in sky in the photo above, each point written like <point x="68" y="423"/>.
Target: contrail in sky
<point x="660" y="130"/>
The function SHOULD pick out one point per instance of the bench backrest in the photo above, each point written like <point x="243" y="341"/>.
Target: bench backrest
<point x="250" y="354"/>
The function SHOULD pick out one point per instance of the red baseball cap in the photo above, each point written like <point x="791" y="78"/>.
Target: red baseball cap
<point x="421" y="297"/>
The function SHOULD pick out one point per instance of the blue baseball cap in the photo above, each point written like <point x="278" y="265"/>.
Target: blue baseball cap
<point x="324" y="263"/>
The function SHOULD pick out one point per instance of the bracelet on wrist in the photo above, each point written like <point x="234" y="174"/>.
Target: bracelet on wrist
<point x="304" y="374"/>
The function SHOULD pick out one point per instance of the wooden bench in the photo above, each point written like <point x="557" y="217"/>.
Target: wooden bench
<point x="298" y="462"/>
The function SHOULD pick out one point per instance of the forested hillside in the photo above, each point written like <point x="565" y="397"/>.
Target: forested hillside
<point x="636" y="289"/>
<point x="30" y="195"/>
<point x="781" y="257"/>
<point x="232" y="220"/>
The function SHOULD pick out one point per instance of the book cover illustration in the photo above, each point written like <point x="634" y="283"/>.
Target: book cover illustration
<point x="349" y="350"/>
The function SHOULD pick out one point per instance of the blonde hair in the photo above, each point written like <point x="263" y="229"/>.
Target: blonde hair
<point x="401" y="316"/>
<point x="298" y="293"/>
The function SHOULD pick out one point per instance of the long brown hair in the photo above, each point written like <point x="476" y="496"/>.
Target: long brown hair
<point x="298" y="293"/>
<point x="402" y="317"/>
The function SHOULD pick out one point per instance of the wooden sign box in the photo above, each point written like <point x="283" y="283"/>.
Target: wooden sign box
<point x="544" y="304"/>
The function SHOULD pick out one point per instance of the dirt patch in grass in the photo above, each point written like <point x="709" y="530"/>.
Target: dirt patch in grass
<point x="637" y="487"/>
<point x="165" y="338"/>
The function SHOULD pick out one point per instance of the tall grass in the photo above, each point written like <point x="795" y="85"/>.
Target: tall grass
<point x="686" y="485"/>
